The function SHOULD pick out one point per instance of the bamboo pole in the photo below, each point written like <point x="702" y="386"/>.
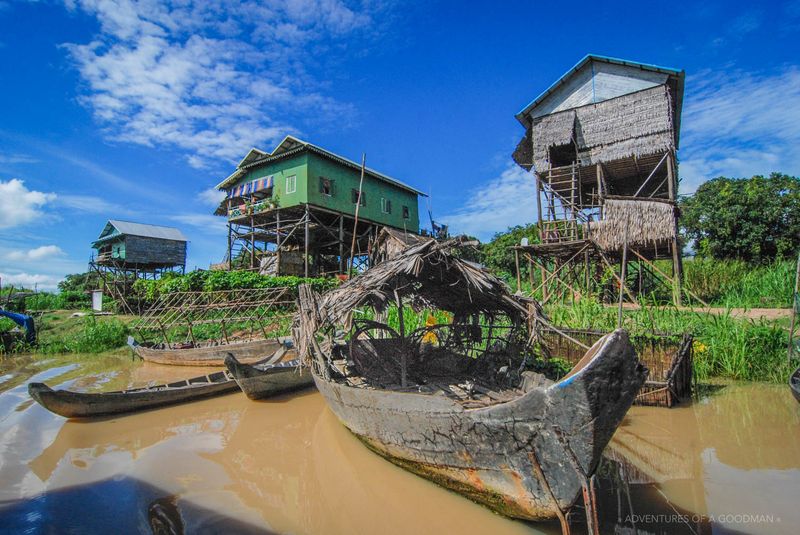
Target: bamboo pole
<point x="794" y="308"/>
<point x="614" y="273"/>
<point x="402" y="327"/>
<point x="306" y="238"/>
<point x="516" y="263"/>
<point x="623" y="270"/>
<point x="278" y="241"/>
<point x="358" y="205"/>
<point x="655" y="268"/>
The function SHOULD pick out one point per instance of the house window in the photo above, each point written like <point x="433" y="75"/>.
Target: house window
<point x="354" y="197"/>
<point x="326" y="186"/>
<point x="291" y="184"/>
<point x="406" y="214"/>
<point x="386" y="205"/>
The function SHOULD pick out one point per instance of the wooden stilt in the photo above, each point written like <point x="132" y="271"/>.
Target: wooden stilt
<point x="516" y="263"/>
<point x="278" y="241"/>
<point x="537" y="468"/>
<point x="305" y="241"/>
<point x="624" y="270"/>
<point x="794" y="309"/>
<point x="341" y="244"/>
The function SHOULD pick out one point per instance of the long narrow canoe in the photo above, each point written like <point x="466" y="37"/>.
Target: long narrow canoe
<point x="258" y="382"/>
<point x="212" y="354"/>
<point x="794" y="384"/>
<point x="83" y="405"/>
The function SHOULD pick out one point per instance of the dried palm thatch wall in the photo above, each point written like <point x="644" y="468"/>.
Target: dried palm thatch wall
<point x="633" y="125"/>
<point x="649" y="222"/>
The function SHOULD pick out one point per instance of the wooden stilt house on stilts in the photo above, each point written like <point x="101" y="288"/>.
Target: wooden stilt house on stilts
<point x="602" y="145"/>
<point x="126" y="251"/>
<point x="301" y="210"/>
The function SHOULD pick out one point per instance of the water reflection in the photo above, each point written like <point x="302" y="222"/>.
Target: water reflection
<point x="287" y="465"/>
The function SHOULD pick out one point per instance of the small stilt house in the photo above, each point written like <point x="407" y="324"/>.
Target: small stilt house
<point x="137" y="246"/>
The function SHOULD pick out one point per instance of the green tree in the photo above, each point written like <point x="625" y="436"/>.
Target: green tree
<point x="753" y="219"/>
<point x="498" y="254"/>
<point x="80" y="282"/>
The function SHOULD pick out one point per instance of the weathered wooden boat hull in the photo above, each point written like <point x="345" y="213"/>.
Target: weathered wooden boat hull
<point x="260" y="383"/>
<point x="246" y="352"/>
<point x="84" y="405"/>
<point x="493" y="454"/>
<point x="794" y="384"/>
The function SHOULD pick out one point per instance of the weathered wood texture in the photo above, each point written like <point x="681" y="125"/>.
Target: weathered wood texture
<point x="211" y="355"/>
<point x="262" y="382"/>
<point x="141" y="250"/>
<point x="486" y="453"/>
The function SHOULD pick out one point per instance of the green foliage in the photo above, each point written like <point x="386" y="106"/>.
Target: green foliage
<point x="6" y="325"/>
<point x="734" y="283"/>
<point x="94" y="337"/>
<point x="80" y="282"/>
<point x="69" y="300"/>
<point x="223" y="280"/>
<point x="554" y="368"/>
<point x="724" y="346"/>
<point x="755" y="219"/>
<point x="498" y="255"/>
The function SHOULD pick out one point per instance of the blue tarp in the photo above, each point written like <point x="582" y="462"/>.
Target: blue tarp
<point x="23" y="320"/>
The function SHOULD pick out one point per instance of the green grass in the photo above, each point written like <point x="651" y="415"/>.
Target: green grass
<point x="736" y="284"/>
<point x="83" y="335"/>
<point x="727" y="347"/>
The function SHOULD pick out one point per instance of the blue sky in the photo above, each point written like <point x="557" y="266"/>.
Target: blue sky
<point x="135" y="110"/>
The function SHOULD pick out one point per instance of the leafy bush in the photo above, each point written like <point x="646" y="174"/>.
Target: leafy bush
<point x="210" y="281"/>
<point x="51" y="301"/>
<point x="95" y="337"/>
<point x="6" y="325"/>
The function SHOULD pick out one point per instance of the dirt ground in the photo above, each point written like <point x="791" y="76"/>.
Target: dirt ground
<point x="770" y="314"/>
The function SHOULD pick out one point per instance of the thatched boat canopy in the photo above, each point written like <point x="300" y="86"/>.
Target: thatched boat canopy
<point x="431" y="275"/>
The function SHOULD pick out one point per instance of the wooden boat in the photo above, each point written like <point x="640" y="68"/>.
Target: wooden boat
<point x="794" y="384"/>
<point x="457" y="408"/>
<point x="84" y="405"/>
<point x="211" y="354"/>
<point x="259" y="382"/>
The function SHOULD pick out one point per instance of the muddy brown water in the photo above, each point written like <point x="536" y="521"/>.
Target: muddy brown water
<point x="727" y="463"/>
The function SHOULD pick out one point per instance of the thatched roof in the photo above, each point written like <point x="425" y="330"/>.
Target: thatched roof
<point x="649" y="222"/>
<point x="636" y="124"/>
<point x="551" y="131"/>
<point x="392" y="242"/>
<point x="429" y="275"/>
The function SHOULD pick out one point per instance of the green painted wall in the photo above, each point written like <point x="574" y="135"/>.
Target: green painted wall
<point x="346" y="179"/>
<point x="309" y="167"/>
<point x="295" y="166"/>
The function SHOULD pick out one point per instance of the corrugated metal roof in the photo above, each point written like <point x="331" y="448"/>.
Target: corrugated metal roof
<point x="605" y="59"/>
<point x="292" y="145"/>
<point x="148" y="231"/>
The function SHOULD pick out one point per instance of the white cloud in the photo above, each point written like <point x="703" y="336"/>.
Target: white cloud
<point x="502" y="202"/>
<point x="210" y="78"/>
<point x="30" y="280"/>
<point x="12" y="158"/>
<point x="19" y="205"/>
<point x="206" y="222"/>
<point x="211" y="197"/>
<point x="93" y="205"/>
<point x="40" y="253"/>
<point x="740" y="124"/>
